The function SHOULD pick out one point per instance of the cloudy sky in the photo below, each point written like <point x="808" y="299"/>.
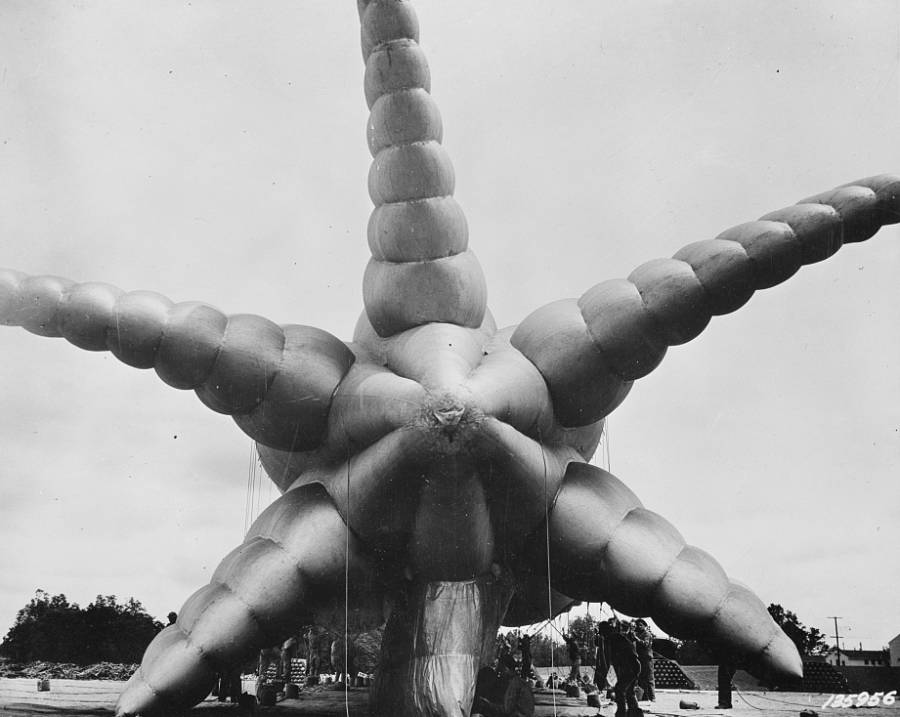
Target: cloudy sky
<point x="216" y="151"/>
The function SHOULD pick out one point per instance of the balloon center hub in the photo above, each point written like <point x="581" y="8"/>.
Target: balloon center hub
<point x="448" y="413"/>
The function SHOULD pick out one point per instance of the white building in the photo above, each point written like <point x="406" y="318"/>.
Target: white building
<point x="865" y="658"/>
<point x="894" y="646"/>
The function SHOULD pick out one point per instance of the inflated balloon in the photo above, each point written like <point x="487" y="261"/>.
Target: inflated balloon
<point x="436" y="459"/>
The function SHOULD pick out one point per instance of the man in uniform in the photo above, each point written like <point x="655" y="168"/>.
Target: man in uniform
<point x="601" y="657"/>
<point x="622" y="655"/>
<point x="644" y="645"/>
<point x="525" y="649"/>
<point x="727" y="668"/>
<point x="574" y="656"/>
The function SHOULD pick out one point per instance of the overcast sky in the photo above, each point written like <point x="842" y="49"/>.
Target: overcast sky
<point x="216" y="151"/>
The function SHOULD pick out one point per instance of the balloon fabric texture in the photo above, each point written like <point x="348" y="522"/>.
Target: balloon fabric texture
<point x="435" y="469"/>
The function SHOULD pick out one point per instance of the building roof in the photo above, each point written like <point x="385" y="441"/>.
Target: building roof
<point x="861" y="654"/>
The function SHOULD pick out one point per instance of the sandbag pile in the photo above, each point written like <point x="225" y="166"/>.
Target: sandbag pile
<point x="68" y="671"/>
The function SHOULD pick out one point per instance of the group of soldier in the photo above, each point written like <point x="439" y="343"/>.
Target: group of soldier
<point x="627" y="648"/>
<point x="324" y="653"/>
<point x="507" y="645"/>
<point x="624" y="647"/>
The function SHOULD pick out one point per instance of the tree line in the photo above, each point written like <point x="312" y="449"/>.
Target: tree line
<point x="51" y="629"/>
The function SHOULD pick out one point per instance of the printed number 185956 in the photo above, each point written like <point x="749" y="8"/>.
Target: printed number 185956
<point x="863" y="699"/>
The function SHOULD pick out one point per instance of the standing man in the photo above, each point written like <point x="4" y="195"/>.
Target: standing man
<point x="623" y="657"/>
<point x="313" y="663"/>
<point x="574" y="657"/>
<point x="601" y="657"/>
<point x="525" y="649"/>
<point x="505" y="659"/>
<point x="343" y="658"/>
<point x="644" y="645"/>
<point x="727" y="668"/>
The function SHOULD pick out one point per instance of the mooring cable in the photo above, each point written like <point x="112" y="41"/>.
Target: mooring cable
<point x="547" y="545"/>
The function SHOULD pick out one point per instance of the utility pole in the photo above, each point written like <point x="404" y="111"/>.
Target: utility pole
<point x="837" y="637"/>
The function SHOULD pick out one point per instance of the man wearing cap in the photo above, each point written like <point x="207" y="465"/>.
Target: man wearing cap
<point x="622" y="655"/>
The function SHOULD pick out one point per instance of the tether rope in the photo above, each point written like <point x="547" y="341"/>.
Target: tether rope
<point x="606" y="441"/>
<point x="347" y="592"/>
<point x="254" y="478"/>
<point x="247" y="498"/>
<point x="547" y="541"/>
<point x="772" y="699"/>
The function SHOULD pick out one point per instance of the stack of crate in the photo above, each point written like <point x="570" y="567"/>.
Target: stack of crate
<point x="298" y="670"/>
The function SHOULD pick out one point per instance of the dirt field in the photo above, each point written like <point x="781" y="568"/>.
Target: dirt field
<point x="85" y="698"/>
